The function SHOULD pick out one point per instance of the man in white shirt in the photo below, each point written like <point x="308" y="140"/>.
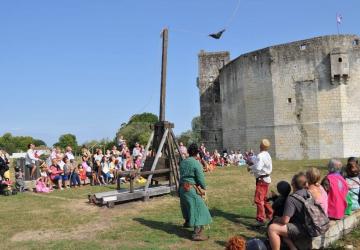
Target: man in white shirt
<point x="30" y="160"/>
<point x="261" y="168"/>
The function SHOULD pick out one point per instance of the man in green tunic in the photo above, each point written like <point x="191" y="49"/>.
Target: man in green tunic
<point x="193" y="207"/>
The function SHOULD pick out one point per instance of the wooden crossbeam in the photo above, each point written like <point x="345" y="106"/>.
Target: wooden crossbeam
<point x="147" y="148"/>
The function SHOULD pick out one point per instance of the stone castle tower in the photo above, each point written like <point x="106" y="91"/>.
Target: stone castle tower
<point x="209" y="86"/>
<point x="304" y="96"/>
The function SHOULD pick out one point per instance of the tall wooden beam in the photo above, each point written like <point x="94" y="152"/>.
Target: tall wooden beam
<point x="163" y="75"/>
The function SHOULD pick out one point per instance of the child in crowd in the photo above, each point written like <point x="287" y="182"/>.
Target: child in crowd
<point x="112" y="168"/>
<point x="74" y="175"/>
<point x="352" y="179"/>
<point x="87" y="169"/>
<point x="41" y="186"/>
<point x="128" y="163"/>
<point x="61" y="164"/>
<point x="44" y="170"/>
<point x="19" y="180"/>
<point x="82" y="173"/>
<point x="137" y="163"/>
<point x="66" y="174"/>
<point x="278" y="201"/>
<point x="105" y="169"/>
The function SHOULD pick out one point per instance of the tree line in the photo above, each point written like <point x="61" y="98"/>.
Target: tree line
<point x="137" y="129"/>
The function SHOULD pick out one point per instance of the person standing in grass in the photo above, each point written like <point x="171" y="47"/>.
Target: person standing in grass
<point x="192" y="188"/>
<point x="261" y="167"/>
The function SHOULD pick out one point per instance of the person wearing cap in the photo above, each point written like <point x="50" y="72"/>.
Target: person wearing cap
<point x="261" y="167"/>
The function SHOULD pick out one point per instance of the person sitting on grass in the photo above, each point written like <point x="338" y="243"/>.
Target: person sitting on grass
<point x="74" y="175"/>
<point x="337" y="189"/>
<point x="353" y="181"/>
<point x="66" y="168"/>
<point x="55" y="173"/>
<point x="278" y="205"/>
<point x="315" y="189"/>
<point x="105" y="170"/>
<point x="44" y="171"/>
<point x="87" y="169"/>
<point x="112" y="167"/>
<point x="69" y="154"/>
<point x="290" y="227"/>
<point x="19" y="179"/>
<point x="41" y="186"/>
<point x="137" y="163"/>
<point x="82" y="174"/>
<point x="98" y="155"/>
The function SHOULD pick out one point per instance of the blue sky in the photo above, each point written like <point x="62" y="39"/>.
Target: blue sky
<point x="85" y="66"/>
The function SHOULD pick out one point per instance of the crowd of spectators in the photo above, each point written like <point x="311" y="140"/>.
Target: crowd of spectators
<point x="212" y="160"/>
<point x="336" y="195"/>
<point x="62" y="170"/>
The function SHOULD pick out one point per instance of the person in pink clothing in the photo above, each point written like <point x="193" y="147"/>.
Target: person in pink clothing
<point x="55" y="173"/>
<point x="316" y="190"/>
<point x="41" y="186"/>
<point x="337" y="189"/>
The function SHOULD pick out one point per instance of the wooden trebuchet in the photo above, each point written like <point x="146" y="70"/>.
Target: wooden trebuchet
<point x="163" y="165"/>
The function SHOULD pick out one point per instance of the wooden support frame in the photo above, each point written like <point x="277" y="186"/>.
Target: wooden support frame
<point x="158" y="154"/>
<point x="163" y="142"/>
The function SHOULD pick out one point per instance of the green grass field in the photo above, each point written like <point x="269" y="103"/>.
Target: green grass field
<point x="64" y="219"/>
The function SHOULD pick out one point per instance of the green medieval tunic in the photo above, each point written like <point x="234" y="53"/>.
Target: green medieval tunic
<point x="193" y="207"/>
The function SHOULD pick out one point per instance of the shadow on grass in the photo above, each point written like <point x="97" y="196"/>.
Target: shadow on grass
<point x="168" y="228"/>
<point x="236" y="218"/>
<point x="246" y="221"/>
<point x="221" y="243"/>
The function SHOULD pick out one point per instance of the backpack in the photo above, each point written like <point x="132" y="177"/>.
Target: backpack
<point x="316" y="221"/>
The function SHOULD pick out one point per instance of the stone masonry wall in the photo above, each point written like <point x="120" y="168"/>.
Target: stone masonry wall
<point x="351" y="105"/>
<point x="308" y="116"/>
<point x="210" y="101"/>
<point x="246" y="96"/>
<point x="304" y="96"/>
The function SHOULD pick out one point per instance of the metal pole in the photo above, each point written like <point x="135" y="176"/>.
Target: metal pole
<point x="163" y="75"/>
